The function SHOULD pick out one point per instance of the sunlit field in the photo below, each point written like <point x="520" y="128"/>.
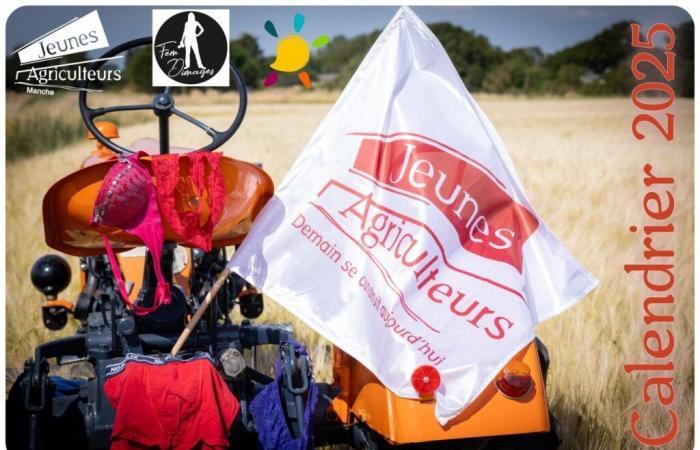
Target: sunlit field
<point x="583" y="172"/>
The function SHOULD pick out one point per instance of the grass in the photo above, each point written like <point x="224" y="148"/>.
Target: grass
<point x="39" y="133"/>
<point x="582" y="170"/>
<point x="33" y="128"/>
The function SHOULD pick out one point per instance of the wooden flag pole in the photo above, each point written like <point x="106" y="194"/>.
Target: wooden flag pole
<point x="198" y="315"/>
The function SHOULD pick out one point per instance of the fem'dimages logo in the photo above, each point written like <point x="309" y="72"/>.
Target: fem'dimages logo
<point x="190" y="47"/>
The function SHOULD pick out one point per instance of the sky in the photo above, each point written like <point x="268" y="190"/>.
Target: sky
<point x="549" y="27"/>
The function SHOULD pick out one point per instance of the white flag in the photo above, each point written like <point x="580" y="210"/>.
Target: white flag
<point x="402" y="233"/>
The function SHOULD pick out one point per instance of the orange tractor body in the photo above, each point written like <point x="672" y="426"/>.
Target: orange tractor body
<point x="400" y="420"/>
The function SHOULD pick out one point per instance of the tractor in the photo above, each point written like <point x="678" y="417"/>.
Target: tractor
<point x="46" y="411"/>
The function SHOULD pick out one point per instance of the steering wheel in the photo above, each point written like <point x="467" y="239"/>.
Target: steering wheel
<point x="163" y="106"/>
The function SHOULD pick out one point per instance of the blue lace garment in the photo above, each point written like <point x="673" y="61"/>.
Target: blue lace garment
<point x="270" y="422"/>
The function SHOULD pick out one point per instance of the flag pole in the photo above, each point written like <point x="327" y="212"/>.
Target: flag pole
<point x="198" y="315"/>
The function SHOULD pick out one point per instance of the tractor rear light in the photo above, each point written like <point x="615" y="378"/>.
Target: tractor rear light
<point x="425" y="380"/>
<point x="514" y="381"/>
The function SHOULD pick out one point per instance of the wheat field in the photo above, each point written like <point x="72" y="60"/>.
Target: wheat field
<point x="582" y="170"/>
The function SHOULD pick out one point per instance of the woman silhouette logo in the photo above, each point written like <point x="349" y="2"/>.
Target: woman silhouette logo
<point x="189" y="40"/>
<point x="190" y="48"/>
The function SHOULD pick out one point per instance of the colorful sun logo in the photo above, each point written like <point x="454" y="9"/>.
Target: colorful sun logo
<point x="293" y="53"/>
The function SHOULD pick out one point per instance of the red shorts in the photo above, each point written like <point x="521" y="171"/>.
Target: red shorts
<point x="169" y="403"/>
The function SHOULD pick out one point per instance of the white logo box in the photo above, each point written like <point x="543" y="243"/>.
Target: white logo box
<point x="160" y="16"/>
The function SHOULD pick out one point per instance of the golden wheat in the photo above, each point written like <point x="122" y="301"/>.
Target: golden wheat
<point x="582" y="170"/>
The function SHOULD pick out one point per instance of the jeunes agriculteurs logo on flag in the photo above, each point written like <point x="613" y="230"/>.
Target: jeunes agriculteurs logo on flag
<point x="402" y="233"/>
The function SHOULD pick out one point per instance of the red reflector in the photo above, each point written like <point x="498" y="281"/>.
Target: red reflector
<point x="514" y="381"/>
<point x="425" y="379"/>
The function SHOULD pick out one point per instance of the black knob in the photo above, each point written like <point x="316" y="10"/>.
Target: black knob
<point x="126" y="326"/>
<point x="50" y="275"/>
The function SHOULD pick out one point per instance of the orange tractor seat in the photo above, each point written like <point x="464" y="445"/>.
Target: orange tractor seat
<point x="68" y="207"/>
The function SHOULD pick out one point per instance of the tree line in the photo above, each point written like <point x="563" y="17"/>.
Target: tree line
<point x="597" y="66"/>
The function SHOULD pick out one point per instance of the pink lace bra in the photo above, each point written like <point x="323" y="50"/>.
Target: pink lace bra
<point x="129" y="200"/>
